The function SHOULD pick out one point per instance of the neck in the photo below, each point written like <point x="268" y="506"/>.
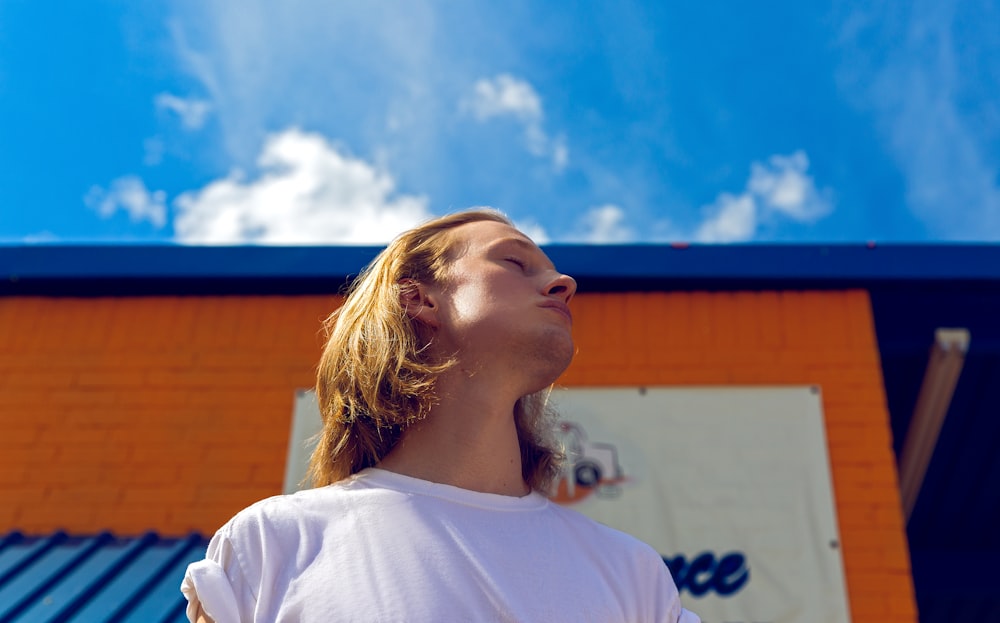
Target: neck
<point x="468" y="439"/>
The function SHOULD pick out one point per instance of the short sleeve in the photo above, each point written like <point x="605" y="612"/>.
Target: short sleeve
<point x="688" y="617"/>
<point x="667" y="598"/>
<point x="218" y="584"/>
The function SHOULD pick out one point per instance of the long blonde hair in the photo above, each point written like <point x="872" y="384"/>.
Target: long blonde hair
<point x="375" y="377"/>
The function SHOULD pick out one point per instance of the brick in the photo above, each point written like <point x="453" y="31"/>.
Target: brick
<point x="60" y="474"/>
<point x="227" y="474"/>
<point x="129" y="521"/>
<point x="127" y="378"/>
<point x="159" y="397"/>
<point x="28" y="455"/>
<point x="12" y="474"/>
<point x="700" y="325"/>
<point x="97" y="451"/>
<point x="155" y="496"/>
<point x="95" y="399"/>
<point x="21" y="496"/>
<point x="141" y="475"/>
<point x="33" y="380"/>
<point x="9" y="516"/>
<point x="205" y="520"/>
<point x="84" y="496"/>
<point x="633" y="321"/>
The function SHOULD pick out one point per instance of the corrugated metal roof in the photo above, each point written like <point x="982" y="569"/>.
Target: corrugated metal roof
<point x="62" y="578"/>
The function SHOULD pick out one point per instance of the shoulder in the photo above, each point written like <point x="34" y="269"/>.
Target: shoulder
<point x="279" y="513"/>
<point x="267" y="532"/>
<point x="304" y="512"/>
<point x="584" y="525"/>
<point x="630" y="566"/>
<point x="616" y="547"/>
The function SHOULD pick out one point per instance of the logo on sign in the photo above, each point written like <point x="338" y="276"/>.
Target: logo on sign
<point x="590" y="468"/>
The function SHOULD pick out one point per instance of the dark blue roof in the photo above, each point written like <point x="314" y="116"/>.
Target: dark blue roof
<point x="62" y="578"/>
<point x="165" y="269"/>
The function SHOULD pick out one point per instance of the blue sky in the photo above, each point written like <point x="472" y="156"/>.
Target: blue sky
<point x="224" y="122"/>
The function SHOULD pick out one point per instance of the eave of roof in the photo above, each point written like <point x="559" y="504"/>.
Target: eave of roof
<point x="168" y="269"/>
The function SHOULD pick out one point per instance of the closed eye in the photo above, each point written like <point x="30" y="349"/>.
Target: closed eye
<point x="516" y="260"/>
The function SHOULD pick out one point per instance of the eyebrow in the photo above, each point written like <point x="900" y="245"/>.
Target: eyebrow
<point x="524" y="244"/>
<point x="521" y="242"/>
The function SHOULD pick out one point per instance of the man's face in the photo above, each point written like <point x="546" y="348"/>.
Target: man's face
<point x="504" y="307"/>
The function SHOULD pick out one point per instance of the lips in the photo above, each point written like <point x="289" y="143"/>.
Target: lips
<point x="560" y="307"/>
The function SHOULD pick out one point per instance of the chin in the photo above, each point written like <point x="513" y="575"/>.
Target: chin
<point x="539" y="358"/>
<point x="551" y="358"/>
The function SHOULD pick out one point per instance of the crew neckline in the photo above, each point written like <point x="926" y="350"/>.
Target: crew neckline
<point x="379" y="477"/>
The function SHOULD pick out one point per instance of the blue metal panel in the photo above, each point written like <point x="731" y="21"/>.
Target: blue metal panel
<point x="59" y="579"/>
<point x="65" y="583"/>
<point x="160" y="600"/>
<point x="168" y="261"/>
<point x="124" y="589"/>
<point x="17" y="553"/>
<point x="101" y="569"/>
<point x="82" y="270"/>
<point x="33" y="581"/>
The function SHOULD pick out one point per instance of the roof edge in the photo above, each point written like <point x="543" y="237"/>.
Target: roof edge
<point x="76" y="270"/>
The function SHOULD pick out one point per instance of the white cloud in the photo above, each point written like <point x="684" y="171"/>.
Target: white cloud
<point x="308" y="192"/>
<point x="299" y="63"/>
<point x="733" y="219"/>
<point x="192" y="111"/>
<point x="507" y="96"/>
<point x="535" y="231"/>
<point x="152" y="151"/>
<point x="560" y="153"/>
<point x="919" y="72"/>
<point x="783" y="186"/>
<point x="129" y="193"/>
<point x="605" y="225"/>
<point x="42" y="237"/>
<point x="778" y="188"/>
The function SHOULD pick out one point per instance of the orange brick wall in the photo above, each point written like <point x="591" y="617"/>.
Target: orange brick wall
<point x="140" y="413"/>
<point x="172" y="413"/>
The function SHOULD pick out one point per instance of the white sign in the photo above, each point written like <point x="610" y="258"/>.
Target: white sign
<point x="306" y="424"/>
<point x="731" y="486"/>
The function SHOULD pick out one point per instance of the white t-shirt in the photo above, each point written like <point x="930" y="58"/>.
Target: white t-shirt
<point x="385" y="547"/>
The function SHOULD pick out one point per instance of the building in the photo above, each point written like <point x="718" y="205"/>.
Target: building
<point x="150" y="391"/>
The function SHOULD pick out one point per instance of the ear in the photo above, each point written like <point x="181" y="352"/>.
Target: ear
<point x="418" y="302"/>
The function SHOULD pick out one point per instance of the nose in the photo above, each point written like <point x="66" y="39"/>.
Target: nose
<point x="562" y="287"/>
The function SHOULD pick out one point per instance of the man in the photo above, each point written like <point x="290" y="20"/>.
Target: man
<point x="433" y="458"/>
